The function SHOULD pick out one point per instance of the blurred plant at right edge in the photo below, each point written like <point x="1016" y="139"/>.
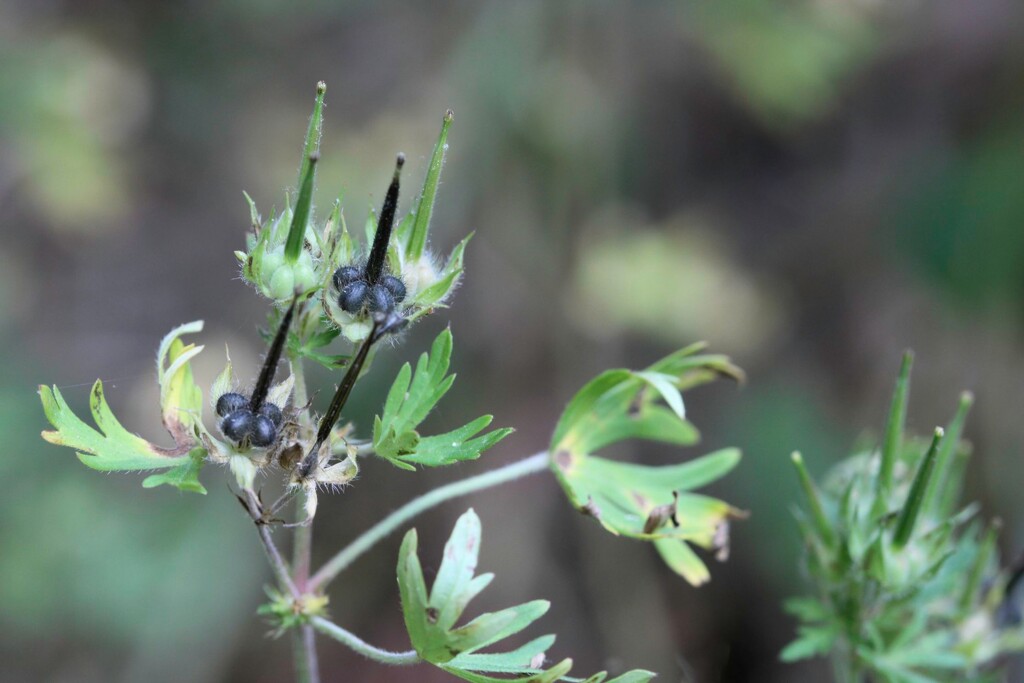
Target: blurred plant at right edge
<point x="908" y="584"/>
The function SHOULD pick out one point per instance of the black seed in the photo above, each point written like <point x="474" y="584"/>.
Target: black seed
<point x="380" y="299"/>
<point x="395" y="286"/>
<point x="230" y="402"/>
<point x="238" y="425"/>
<point x="353" y="296"/>
<point x="345" y="275"/>
<point x="263" y="432"/>
<point x="273" y="412"/>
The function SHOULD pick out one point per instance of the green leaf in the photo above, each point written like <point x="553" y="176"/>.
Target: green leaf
<point x="431" y="621"/>
<point x="185" y="476"/>
<point x="308" y="347"/>
<point x="516" y="661"/>
<point x="555" y="673"/>
<point x="640" y="501"/>
<point x="431" y="618"/>
<point x="111" y="447"/>
<point x="814" y="641"/>
<point x="411" y="398"/>
<point x="456" y="445"/>
<point x="635" y="676"/>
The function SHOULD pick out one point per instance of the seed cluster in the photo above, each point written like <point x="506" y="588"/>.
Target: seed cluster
<point x="241" y="422"/>
<point x="371" y="286"/>
<point x="254" y="420"/>
<point x="355" y="291"/>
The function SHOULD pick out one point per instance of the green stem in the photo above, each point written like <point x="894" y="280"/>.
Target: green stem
<point x="362" y="647"/>
<point x="303" y="545"/>
<point x="531" y="465"/>
<point x="302" y="550"/>
<point x="304" y="649"/>
<point x="307" y="669"/>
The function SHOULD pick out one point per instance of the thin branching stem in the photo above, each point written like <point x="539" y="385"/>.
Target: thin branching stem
<point x="277" y="563"/>
<point x="356" y="643"/>
<point x="530" y="465"/>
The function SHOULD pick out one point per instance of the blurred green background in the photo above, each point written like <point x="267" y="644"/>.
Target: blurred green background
<point x="812" y="186"/>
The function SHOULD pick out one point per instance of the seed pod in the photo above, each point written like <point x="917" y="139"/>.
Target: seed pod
<point x="395" y="286"/>
<point x="344" y="276"/>
<point x="238" y="425"/>
<point x="230" y="402"/>
<point x="353" y="297"/>
<point x="263" y="432"/>
<point x="272" y="412"/>
<point x="380" y="299"/>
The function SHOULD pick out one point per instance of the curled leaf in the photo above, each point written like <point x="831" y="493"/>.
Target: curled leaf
<point x="650" y="503"/>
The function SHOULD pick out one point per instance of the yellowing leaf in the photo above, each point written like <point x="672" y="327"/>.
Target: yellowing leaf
<point x="651" y="503"/>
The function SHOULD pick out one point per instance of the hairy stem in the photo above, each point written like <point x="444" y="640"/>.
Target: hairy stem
<point x="307" y="669"/>
<point x="302" y="550"/>
<point x="277" y="563"/>
<point x="531" y="465"/>
<point x="362" y="647"/>
<point x="304" y="649"/>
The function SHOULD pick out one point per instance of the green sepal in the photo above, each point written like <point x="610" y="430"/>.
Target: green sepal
<point x="300" y="217"/>
<point x="435" y="294"/>
<point x="307" y="178"/>
<point x="417" y="236"/>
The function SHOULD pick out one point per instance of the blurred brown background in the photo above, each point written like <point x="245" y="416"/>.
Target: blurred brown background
<point x="812" y="186"/>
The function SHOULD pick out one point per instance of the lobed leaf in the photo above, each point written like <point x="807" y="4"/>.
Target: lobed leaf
<point x="111" y="447"/>
<point x="652" y="503"/>
<point x="411" y="398"/>
<point x="431" y="617"/>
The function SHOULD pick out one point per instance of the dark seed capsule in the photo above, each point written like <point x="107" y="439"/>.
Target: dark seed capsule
<point x="353" y="296"/>
<point x="263" y="433"/>
<point x="395" y="286"/>
<point x="271" y="411"/>
<point x="345" y="275"/>
<point x="238" y="425"/>
<point x="229" y="403"/>
<point x="380" y="299"/>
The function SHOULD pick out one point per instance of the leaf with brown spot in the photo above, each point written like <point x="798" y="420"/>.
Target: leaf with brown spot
<point x="629" y="499"/>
